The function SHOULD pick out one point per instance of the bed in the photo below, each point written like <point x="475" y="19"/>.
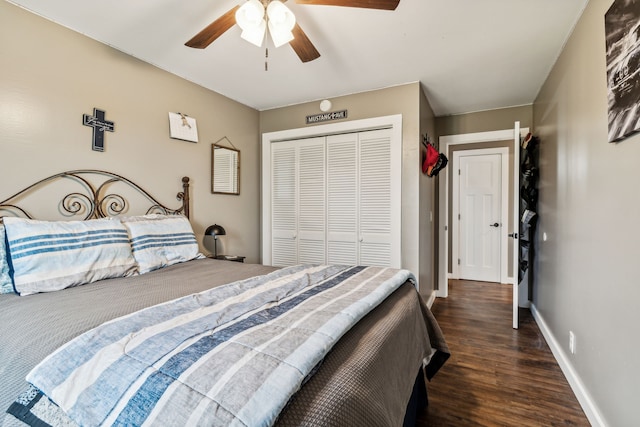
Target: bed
<point x="354" y="374"/>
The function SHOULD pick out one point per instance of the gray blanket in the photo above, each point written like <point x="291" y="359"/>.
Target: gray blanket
<point x="32" y="327"/>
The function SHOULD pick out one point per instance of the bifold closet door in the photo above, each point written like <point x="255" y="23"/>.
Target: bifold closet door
<point x="342" y="199"/>
<point x="298" y="201"/>
<point x="378" y="210"/>
<point x="360" y="205"/>
<point x="312" y="201"/>
<point x="335" y="200"/>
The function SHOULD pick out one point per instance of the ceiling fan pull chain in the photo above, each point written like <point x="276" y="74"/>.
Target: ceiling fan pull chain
<point x="266" y="57"/>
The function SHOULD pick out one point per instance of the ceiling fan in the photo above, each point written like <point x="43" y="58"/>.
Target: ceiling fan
<point x="296" y="38"/>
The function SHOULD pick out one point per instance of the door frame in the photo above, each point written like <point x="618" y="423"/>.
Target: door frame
<point x="445" y="142"/>
<point x="504" y="208"/>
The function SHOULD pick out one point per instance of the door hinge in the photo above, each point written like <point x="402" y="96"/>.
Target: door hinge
<point x="459" y="217"/>
<point x="458" y="261"/>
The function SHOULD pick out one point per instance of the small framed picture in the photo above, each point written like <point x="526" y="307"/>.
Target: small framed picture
<point x="183" y="127"/>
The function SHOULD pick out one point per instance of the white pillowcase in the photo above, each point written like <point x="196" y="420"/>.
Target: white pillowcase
<point x="6" y="284"/>
<point x="52" y="255"/>
<point x="161" y="240"/>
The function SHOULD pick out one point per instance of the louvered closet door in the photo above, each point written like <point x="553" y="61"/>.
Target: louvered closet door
<point x="342" y="199"/>
<point x="284" y="222"/>
<point x="336" y="200"/>
<point x="377" y="206"/>
<point x="311" y="201"/>
<point x="298" y="201"/>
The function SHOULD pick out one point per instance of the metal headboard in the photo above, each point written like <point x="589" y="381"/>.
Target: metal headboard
<point x="94" y="198"/>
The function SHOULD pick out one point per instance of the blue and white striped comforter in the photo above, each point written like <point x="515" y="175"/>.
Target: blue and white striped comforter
<point x="232" y="355"/>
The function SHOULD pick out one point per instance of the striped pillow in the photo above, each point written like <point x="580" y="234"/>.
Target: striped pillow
<point x="161" y="241"/>
<point x="6" y="284"/>
<point x="52" y="255"/>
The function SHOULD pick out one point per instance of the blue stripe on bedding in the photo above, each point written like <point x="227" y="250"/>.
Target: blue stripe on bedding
<point x="169" y="239"/>
<point x="157" y="356"/>
<point x="44" y="244"/>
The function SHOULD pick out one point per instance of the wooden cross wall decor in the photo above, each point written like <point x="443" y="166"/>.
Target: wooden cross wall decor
<point x="99" y="125"/>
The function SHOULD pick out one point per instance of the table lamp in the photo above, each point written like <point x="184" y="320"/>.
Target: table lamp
<point x="215" y="230"/>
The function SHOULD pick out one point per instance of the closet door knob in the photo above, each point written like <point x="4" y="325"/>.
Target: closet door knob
<point x="495" y="224"/>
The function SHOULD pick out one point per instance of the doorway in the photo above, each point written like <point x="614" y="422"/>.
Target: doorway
<point x="446" y="144"/>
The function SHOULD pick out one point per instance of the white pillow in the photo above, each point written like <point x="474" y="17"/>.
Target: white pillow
<point x="52" y="255"/>
<point x="6" y="284"/>
<point x="161" y="241"/>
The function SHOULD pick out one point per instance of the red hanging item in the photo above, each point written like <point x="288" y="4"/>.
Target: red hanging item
<point x="430" y="159"/>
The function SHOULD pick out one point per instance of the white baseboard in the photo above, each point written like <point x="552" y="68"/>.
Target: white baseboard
<point x="431" y="299"/>
<point x="584" y="398"/>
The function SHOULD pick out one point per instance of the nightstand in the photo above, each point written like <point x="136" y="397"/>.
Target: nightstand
<point x="236" y="258"/>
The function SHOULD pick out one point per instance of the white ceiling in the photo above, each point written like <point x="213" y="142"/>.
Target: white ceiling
<point x="469" y="55"/>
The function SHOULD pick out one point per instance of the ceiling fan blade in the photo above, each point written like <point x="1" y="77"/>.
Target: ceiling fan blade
<point x="368" y="4"/>
<point x="214" y="30"/>
<point x="303" y="47"/>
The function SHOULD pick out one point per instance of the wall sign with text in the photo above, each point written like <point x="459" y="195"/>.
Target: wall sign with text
<point x="324" y="117"/>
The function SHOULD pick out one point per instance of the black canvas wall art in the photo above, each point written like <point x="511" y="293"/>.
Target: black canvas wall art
<point x="622" y="29"/>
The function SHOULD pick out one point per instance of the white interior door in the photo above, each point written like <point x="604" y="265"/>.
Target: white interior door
<point x="480" y="216"/>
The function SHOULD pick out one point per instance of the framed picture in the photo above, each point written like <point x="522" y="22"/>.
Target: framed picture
<point x="183" y="127"/>
<point x="622" y="31"/>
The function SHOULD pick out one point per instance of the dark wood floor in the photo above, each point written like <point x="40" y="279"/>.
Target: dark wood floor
<point x="496" y="376"/>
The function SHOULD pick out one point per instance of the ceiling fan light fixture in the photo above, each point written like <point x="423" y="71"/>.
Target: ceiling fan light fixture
<point x="255" y="35"/>
<point x="280" y="35"/>
<point x="250" y="14"/>
<point x="281" y="23"/>
<point x="280" y="15"/>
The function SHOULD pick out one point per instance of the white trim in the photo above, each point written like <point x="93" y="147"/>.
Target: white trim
<point x="431" y="300"/>
<point x="393" y="122"/>
<point x="473" y="138"/>
<point x="516" y="223"/>
<point x="504" y="207"/>
<point x="443" y="246"/>
<point x="584" y="398"/>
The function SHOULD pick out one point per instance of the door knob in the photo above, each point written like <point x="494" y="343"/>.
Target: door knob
<point x="495" y="224"/>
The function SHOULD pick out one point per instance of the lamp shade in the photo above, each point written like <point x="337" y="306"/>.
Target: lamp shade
<point x="250" y="14"/>
<point x="281" y="23"/>
<point x="255" y="35"/>
<point x="215" y="230"/>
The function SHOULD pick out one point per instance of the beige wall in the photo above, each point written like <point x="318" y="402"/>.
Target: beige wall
<point x="485" y="121"/>
<point x="50" y="76"/>
<point x="587" y="279"/>
<point x="405" y="100"/>
<point x="428" y="211"/>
